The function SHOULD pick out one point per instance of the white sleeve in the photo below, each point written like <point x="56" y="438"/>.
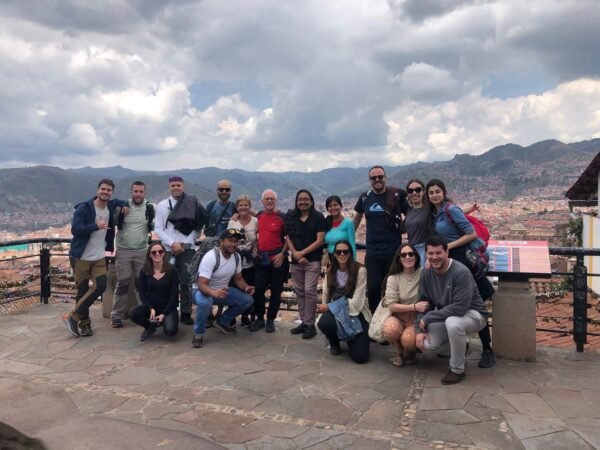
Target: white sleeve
<point x="160" y="224"/>
<point x="207" y="265"/>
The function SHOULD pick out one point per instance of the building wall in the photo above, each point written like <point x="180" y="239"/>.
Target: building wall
<point x="591" y="239"/>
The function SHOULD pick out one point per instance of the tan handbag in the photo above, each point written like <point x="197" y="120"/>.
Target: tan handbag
<point x="379" y="317"/>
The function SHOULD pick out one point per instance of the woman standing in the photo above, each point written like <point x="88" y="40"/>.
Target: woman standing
<point x="338" y="227"/>
<point x="402" y="299"/>
<point x="346" y="278"/>
<point x="248" y="226"/>
<point x="452" y="226"/>
<point x="418" y="217"/>
<point x="159" y="292"/>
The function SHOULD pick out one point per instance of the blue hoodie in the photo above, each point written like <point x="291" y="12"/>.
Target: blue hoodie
<point x="84" y="223"/>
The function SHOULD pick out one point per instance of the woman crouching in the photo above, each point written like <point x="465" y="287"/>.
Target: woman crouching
<point x="345" y="309"/>
<point x="159" y="291"/>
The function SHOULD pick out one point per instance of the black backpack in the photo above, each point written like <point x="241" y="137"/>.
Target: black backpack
<point x="207" y="245"/>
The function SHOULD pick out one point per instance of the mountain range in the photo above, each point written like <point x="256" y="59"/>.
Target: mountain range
<point x="502" y="172"/>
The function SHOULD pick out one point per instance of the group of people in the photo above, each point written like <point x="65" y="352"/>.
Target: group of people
<point x="432" y="298"/>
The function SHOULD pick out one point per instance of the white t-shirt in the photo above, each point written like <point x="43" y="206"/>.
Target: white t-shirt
<point x="221" y="277"/>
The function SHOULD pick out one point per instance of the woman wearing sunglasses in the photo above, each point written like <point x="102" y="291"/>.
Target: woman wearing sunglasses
<point x="401" y="297"/>
<point x="346" y="278"/>
<point x="418" y="218"/>
<point x="159" y="292"/>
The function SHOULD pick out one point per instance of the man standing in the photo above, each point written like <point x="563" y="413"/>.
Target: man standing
<point x="382" y="207"/>
<point x="217" y="269"/>
<point x="456" y="308"/>
<point x="179" y="220"/>
<point x="272" y="269"/>
<point x="132" y="240"/>
<point x="305" y="233"/>
<point x="219" y="211"/>
<point x="93" y="234"/>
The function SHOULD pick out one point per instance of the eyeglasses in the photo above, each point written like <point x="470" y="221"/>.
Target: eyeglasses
<point x="416" y="190"/>
<point x="157" y="252"/>
<point x="377" y="177"/>
<point x="407" y="255"/>
<point x="342" y="252"/>
<point x="224" y="189"/>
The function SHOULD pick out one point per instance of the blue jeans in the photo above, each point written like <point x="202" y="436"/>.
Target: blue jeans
<point x="421" y="249"/>
<point x="236" y="300"/>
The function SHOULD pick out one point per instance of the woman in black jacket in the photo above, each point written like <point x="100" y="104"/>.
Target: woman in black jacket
<point x="159" y="292"/>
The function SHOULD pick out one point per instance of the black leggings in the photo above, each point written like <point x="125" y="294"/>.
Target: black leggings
<point x="377" y="268"/>
<point x="140" y="314"/>
<point x="358" y="347"/>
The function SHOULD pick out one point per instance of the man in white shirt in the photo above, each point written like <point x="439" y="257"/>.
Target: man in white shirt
<point x="178" y="222"/>
<point x="217" y="269"/>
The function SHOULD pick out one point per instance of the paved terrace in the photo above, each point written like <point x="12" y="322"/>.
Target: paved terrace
<point x="277" y="391"/>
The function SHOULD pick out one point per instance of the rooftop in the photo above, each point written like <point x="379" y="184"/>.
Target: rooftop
<point x="256" y="390"/>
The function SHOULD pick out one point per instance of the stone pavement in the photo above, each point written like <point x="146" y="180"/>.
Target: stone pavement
<point x="256" y="390"/>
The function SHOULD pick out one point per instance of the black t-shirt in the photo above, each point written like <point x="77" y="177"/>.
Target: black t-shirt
<point x="416" y="224"/>
<point x="302" y="234"/>
<point x="382" y="239"/>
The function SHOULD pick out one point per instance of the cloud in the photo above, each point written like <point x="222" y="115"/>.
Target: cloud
<point x="302" y="86"/>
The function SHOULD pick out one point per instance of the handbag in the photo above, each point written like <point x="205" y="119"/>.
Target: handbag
<point x="379" y="317"/>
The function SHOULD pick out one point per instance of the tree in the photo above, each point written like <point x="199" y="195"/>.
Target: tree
<point x="575" y="231"/>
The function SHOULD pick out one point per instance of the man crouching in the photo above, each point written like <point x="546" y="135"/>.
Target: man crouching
<point x="456" y="308"/>
<point x="217" y="269"/>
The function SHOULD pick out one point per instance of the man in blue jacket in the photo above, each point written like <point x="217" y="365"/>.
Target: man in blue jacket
<point x="93" y="231"/>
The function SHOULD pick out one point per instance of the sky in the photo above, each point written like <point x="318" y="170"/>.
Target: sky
<point x="278" y="85"/>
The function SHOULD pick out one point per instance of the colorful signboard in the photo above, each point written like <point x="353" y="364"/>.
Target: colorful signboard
<point x="519" y="257"/>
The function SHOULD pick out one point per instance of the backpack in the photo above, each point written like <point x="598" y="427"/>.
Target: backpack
<point x="480" y="229"/>
<point x="211" y="228"/>
<point x="206" y="246"/>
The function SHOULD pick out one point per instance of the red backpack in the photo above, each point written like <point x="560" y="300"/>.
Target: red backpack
<point x="482" y="231"/>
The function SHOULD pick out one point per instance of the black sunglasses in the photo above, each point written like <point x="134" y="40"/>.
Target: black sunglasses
<point x="342" y="252"/>
<point x="377" y="177"/>
<point x="224" y="189"/>
<point x="407" y="255"/>
<point x="417" y="190"/>
<point x="157" y="252"/>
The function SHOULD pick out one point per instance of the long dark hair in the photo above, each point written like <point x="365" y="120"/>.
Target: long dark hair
<point x="352" y="271"/>
<point x="441" y="185"/>
<point x="420" y="183"/>
<point x="396" y="266"/>
<point x="329" y="219"/>
<point x="148" y="268"/>
<point x="312" y="200"/>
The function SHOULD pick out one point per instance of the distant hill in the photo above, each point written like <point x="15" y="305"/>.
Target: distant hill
<point x="503" y="172"/>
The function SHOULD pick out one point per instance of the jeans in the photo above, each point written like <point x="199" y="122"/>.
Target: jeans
<point x="185" y="284"/>
<point x="377" y="268"/>
<point x="358" y="347"/>
<point x="306" y="276"/>
<point x="453" y="331"/>
<point x="140" y="314"/>
<point x="273" y="278"/>
<point x="127" y="263"/>
<point x="421" y="250"/>
<point x="86" y="294"/>
<point x="236" y="300"/>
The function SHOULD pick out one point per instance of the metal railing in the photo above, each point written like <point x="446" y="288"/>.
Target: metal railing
<point x="579" y="274"/>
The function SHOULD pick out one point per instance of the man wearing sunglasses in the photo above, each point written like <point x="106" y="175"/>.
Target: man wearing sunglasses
<point x="383" y="208"/>
<point x="219" y="210"/>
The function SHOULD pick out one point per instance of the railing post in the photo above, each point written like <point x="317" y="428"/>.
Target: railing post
<point x="44" y="274"/>
<point x="580" y="302"/>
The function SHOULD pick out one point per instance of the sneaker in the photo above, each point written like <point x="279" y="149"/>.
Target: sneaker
<point x="452" y="377"/>
<point x="71" y="325"/>
<point x="225" y="329"/>
<point x="309" y="332"/>
<point x="270" y="328"/>
<point x="186" y="319"/>
<point x="488" y="359"/>
<point x="245" y="322"/>
<point x="335" y="349"/>
<point x="198" y="341"/>
<point x="117" y="323"/>
<point x="148" y="333"/>
<point x="299" y="329"/>
<point x="257" y="325"/>
<point x="86" y="330"/>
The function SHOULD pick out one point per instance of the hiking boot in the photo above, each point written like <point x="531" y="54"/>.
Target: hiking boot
<point x="452" y="377"/>
<point x="148" y="333"/>
<point x="225" y="329"/>
<point x="257" y="325"/>
<point x="186" y="319"/>
<point x="71" y="324"/>
<point x="270" y="328"/>
<point x="488" y="359"/>
<point x="309" y="332"/>
<point x="299" y="329"/>
<point x="117" y="323"/>
<point x="198" y="341"/>
<point x="86" y="330"/>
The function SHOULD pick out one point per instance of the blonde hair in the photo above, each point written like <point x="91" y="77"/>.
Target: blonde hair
<point x="243" y="198"/>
